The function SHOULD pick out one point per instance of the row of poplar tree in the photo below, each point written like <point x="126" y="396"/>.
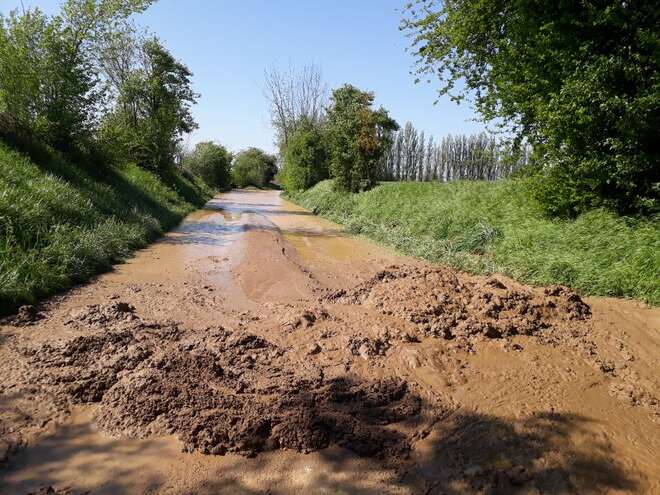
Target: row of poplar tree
<point x="413" y="157"/>
<point x="344" y="137"/>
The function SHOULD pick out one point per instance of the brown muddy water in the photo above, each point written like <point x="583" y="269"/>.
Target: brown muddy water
<point x="258" y="349"/>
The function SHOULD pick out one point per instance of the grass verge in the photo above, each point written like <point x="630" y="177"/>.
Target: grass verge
<point x="486" y="227"/>
<point x="60" y="224"/>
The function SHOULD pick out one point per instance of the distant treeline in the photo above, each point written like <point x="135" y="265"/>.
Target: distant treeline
<point x="414" y="157"/>
<point x="344" y="137"/>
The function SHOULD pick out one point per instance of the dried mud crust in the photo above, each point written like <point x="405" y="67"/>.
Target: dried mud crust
<point x="442" y="305"/>
<point x="224" y="391"/>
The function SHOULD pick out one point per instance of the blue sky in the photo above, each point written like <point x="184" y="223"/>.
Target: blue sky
<point x="229" y="44"/>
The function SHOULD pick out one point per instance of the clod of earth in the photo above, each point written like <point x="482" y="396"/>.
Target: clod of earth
<point x="26" y="315"/>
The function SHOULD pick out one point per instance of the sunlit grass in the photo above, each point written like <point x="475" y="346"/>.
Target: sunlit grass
<point x="485" y="227"/>
<point x="60" y="224"/>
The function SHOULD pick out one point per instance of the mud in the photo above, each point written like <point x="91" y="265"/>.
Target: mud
<point x="219" y="390"/>
<point x="25" y="316"/>
<point x="440" y="304"/>
<point x="443" y="303"/>
<point x="257" y="349"/>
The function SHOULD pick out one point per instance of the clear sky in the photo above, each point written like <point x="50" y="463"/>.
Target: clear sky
<point x="229" y="44"/>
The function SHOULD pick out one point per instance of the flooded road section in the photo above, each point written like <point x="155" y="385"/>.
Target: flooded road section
<point x="258" y="349"/>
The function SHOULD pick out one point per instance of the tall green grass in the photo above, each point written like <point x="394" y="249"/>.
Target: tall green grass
<point x="485" y="227"/>
<point x="61" y="223"/>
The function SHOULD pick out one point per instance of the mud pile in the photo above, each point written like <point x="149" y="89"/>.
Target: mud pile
<point x="25" y="316"/>
<point x="49" y="490"/>
<point x="440" y="304"/>
<point x="100" y="315"/>
<point x="224" y="391"/>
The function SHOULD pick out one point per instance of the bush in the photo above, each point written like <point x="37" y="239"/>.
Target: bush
<point x="601" y="149"/>
<point x="253" y="167"/>
<point x="305" y="158"/>
<point x="211" y="162"/>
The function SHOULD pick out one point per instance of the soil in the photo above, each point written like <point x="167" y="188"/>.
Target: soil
<point x="257" y="349"/>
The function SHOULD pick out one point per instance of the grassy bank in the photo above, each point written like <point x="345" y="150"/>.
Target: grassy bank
<point x="61" y="223"/>
<point x="484" y="227"/>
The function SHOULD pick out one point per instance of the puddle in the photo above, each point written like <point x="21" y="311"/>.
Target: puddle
<point x="213" y="230"/>
<point x="315" y="247"/>
<point x="78" y="452"/>
<point x="210" y="248"/>
<point x="203" y="243"/>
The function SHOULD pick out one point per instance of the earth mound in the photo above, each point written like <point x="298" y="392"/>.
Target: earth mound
<point x="225" y="391"/>
<point x="440" y="304"/>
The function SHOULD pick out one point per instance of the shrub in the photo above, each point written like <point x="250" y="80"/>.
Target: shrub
<point x="211" y="162"/>
<point x="305" y="158"/>
<point x="253" y="167"/>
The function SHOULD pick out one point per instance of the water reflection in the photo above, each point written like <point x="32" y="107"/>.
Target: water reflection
<point x="258" y="210"/>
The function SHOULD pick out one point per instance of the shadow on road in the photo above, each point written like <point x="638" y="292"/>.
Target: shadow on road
<point x="465" y="453"/>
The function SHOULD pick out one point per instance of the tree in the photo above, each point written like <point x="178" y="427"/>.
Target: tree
<point x="579" y="80"/>
<point x="358" y="137"/>
<point x="305" y="158"/>
<point x="212" y="163"/>
<point x="294" y="96"/>
<point x="49" y="87"/>
<point x="21" y="69"/>
<point x="253" y="167"/>
<point x="153" y="109"/>
<point x="475" y="157"/>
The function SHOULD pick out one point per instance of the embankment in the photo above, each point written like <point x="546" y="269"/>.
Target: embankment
<point x="484" y="227"/>
<point x="61" y="223"/>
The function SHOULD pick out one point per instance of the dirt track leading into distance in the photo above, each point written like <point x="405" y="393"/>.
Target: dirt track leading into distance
<point x="257" y="349"/>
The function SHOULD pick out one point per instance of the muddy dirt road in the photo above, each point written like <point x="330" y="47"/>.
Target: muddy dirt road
<point x="256" y="349"/>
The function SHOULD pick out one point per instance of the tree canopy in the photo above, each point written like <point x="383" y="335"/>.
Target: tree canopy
<point x="358" y="137"/>
<point x="153" y="108"/>
<point x="253" y="167"/>
<point x="305" y="157"/>
<point x="294" y="96"/>
<point x="84" y="80"/>
<point x="211" y="162"/>
<point x="579" y="80"/>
